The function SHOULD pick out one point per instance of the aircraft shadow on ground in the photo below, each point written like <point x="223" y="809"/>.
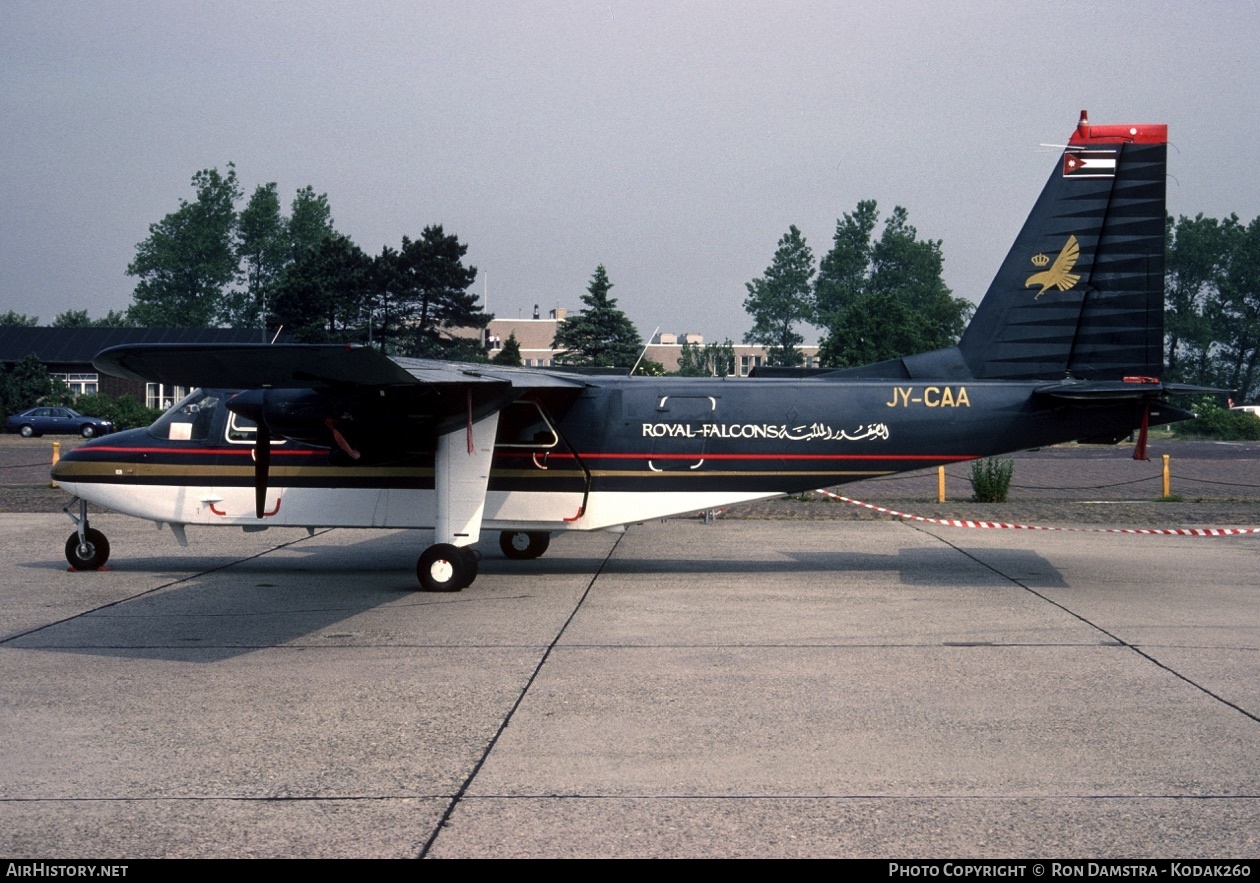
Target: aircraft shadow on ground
<point x="917" y="567"/>
<point x="226" y="609"/>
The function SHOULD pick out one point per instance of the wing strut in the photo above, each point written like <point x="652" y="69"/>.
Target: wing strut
<point x="461" y="475"/>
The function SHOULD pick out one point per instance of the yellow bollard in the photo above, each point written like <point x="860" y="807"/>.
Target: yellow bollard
<point x="1167" y="479"/>
<point x="940" y="484"/>
<point x="56" y="457"/>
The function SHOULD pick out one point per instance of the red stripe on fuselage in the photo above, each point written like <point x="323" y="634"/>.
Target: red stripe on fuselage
<point x="693" y="455"/>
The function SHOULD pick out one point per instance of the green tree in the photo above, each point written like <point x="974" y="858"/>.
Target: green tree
<point x="388" y="308"/>
<point x="1212" y="303"/>
<point x="428" y="290"/>
<point x="1195" y="258"/>
<point x="510" y="353"/>
<point x="18" y="320"/>
<point x="81" y="319"/>
<point x="310" y="222"/>
<point x="844" y="272"/>
<point x="27" y="384"/>
<point x="72" y="319"/>
<point x="709" y="360"/>
<point x="780" y="300"/>
<point x="321" y="299"/>
<point x="882" y="298"/>
<point x="263" y="247"/>
<point x="115" y="319"/>
<point x="189" y="259"/>
<point x="1240" y="302"/>
<point x="601" y="336"/>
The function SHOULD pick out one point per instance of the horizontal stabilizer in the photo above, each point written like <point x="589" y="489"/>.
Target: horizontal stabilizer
<point x="1118" y="390"/>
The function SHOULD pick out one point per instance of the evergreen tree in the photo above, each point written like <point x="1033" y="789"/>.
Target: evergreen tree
<point x="422" y="293"/>
<point x="321" y="298"/>
<point x="510" y="354"/>
<point x="601" y="336"/>
<point x="780" y="300"/>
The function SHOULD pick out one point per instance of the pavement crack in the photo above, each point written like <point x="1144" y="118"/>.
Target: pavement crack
<point x="507" y="718"/>
<point x="1119" y="641"/>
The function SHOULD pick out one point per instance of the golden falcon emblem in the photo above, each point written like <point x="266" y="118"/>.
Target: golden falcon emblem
<point x="1059" y="275"/>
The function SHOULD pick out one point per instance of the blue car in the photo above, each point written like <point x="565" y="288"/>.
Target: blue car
<point x="63" y="421"/>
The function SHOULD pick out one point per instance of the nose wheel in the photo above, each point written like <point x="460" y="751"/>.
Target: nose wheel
<point x="446" y="568"/>
<point x="86" y="548"/>
<point x="89" y="552"/>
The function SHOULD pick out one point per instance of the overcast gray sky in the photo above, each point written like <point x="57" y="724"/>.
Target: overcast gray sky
<point x="672" y="142"/>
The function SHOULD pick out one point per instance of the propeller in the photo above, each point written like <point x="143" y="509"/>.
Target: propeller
<point x="252" y="405"/>
<point x="262" y="466"/>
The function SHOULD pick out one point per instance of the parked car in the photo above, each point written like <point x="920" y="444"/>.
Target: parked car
<point x="1253" y="410"/>
<point x="64" y="421"/>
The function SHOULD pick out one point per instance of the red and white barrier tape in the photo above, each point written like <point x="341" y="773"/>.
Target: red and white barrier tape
<point x="999" y="525"/>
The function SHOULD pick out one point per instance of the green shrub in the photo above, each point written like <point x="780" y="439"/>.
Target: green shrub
<point x="125" y="411"/>
<point x="1213" y="421"/>
<point x="991" y="479"/>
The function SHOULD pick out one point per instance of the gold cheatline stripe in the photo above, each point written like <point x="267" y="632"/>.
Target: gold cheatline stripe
<point x="128" y="470"/>
<point x="70" y="471"/>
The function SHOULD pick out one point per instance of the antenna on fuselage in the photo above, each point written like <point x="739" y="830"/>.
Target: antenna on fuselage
<point x="635" y="366"/>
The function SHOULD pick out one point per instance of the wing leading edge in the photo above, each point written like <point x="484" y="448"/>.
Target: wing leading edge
<point x="304" y="366"/>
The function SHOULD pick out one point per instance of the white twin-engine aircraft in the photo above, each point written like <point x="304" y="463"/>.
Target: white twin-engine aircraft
<point x="1066" y="345"/>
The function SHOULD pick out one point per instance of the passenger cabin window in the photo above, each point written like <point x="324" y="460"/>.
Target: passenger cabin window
<point x="523" y="425"/>
<point x="243" y="431"/>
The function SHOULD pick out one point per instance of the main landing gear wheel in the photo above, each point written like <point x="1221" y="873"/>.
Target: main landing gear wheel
<point x="523" y="545"/>
<point x="446" y="568"/>
<point x="91" y="554"/>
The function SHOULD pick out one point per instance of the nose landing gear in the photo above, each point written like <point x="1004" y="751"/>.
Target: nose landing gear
<point x="86" y="548"/>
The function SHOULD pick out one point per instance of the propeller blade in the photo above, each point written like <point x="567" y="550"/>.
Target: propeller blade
<point x="262" y="466"/>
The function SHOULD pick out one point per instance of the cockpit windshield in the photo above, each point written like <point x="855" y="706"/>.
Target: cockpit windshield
<point x="192" y="418"/>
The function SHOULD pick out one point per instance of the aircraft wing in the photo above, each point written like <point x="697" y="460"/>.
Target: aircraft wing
<point x="305" y="366"/>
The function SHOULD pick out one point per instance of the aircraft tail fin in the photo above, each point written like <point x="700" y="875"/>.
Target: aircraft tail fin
<point x="1081" y="293"/>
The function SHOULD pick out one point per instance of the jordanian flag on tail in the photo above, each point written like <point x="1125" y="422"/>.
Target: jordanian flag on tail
<point x="1089" y="164"/>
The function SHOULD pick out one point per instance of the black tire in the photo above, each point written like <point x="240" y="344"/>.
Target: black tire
<point x="92" y="554"/>
<point x="472" y="559"/>
<point x="27" y="431"/>
<point x="521" y="545"/>
<point x="445" y="568"/>
<point x="88" y="430"/>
